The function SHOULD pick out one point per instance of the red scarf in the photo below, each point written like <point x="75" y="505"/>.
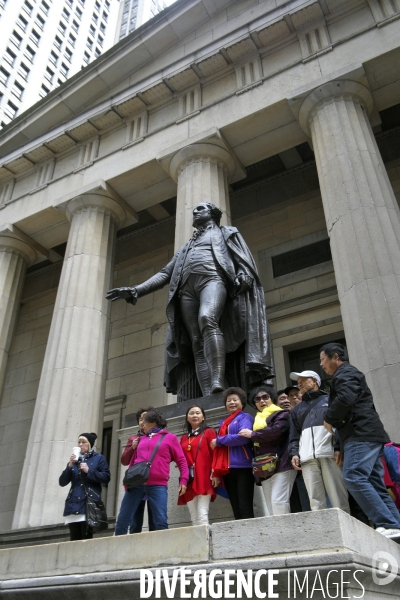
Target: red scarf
<point x="220" y="461"/>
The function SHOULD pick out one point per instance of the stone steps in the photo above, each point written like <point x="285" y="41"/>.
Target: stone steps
<point x="328" y="545"/>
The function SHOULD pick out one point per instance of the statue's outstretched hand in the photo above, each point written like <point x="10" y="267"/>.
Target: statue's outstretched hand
<point x="125" y="293"/>
<point x="243" y="283"/>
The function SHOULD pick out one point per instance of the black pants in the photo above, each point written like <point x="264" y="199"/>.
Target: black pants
<point x="77" y="531"/>
<point x="356" y="511"/>
<point x="239" y="484"/>
<point x="299" y="500"/>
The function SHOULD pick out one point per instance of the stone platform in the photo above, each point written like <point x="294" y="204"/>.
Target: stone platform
<point x="314" y="555"/>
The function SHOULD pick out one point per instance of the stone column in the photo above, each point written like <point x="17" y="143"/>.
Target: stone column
<point x="363" y="222"/>
<point x="202" y="167"/>
<point x="71" y="391"/>
<point x="15" y="256"/>
<point x="202" y="172"/>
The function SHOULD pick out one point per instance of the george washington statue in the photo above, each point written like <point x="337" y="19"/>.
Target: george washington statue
<point x="218" y="333"/>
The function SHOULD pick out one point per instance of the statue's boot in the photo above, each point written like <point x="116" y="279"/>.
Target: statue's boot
<point x="202" y="372"/>
<point x="214" y="351"/>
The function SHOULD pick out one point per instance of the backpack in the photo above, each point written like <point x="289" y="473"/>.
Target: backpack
<point x="392" y="459"/>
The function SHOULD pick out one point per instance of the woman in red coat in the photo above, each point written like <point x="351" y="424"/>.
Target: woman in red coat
<point x="198" y="453"/>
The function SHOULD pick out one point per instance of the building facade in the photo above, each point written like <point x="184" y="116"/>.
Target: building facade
<point x="133" y="13"/>
<point x="286" y="115"/>
<point x="44" y="42"/>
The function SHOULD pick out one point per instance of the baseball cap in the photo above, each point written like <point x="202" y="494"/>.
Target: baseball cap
<point x="313" y="374"/>
<point x="291" y="387"/>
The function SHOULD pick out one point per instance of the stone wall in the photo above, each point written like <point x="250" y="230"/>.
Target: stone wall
<point x="299" y="312"/>
<point x="18" y="399"/>
<point x="303" y="309"/>
<point x="277" y="226"/>
<point x="137" y="336"/>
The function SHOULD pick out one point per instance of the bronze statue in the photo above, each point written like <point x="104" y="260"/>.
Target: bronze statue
<point x="218" y="331"/>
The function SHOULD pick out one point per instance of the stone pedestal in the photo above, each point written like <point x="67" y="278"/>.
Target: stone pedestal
<point x="363" y="222"/>
<point x="71" y="390"/>
<point x="15" y="256"/>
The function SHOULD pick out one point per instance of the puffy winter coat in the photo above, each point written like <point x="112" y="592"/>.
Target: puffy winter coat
<point x="240" y="453"/>
<point x="351" y="407"/>
<point x="308" y="437"/>
<point x="98" y="473"/>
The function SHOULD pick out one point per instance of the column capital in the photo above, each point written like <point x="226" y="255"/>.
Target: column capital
<point x="351" y="82"/>
<point x="203" y="153"/>
<point x="329" y="92"/>
<point x="14" y="240"/>
<point x="99" y="195"/>
<point x="208" y="146"/>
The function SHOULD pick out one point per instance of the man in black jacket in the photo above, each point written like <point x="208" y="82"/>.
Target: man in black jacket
<point x="362" y="437"/>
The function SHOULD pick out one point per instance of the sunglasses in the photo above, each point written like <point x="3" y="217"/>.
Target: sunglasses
<point x="263" y="397"/>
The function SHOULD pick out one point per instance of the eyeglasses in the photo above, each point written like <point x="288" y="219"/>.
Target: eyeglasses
<point x="263" y="397"/>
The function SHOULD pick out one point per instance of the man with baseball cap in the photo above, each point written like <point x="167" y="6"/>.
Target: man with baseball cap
<point x="311" y="449"/>
<point x="293" y="394"/>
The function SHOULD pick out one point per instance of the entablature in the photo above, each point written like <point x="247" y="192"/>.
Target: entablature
<point x="240" y="36"/>
<point x="237" y="63"/>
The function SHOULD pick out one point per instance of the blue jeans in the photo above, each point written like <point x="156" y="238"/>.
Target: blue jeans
<point x="363" y="477"/>
<point x="157" y="497"/>
<point x="137" y="519"/>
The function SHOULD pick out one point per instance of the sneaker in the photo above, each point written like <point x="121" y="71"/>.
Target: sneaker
<point x="388" y="533"/>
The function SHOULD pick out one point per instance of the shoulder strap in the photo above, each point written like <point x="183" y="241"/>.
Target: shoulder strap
<point x="198" y="448"/>
<point x="156" y="448"/>
<point x="305" y="414"/>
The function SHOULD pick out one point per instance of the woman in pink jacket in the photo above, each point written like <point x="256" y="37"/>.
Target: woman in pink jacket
<point x="130" y="447"/>
<point x="155" y="488"/>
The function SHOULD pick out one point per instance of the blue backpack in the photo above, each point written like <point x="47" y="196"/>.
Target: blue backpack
<point x="392" y="459"/>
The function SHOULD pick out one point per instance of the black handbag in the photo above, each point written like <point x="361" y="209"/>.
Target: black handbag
<point x="96" y="515"/>
<point x="139" y="473"/>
